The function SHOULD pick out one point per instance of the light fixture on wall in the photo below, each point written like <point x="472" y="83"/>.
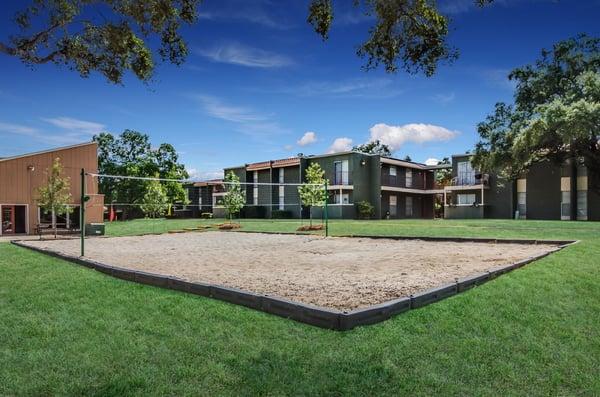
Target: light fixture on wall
<point x="363" y="162"/>
<point x="30" y="168"/>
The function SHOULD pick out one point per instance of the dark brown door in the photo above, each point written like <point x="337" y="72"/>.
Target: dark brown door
<point x="8" y="219"/>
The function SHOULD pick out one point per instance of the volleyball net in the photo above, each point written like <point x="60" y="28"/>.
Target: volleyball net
<point x="152" y="200"/>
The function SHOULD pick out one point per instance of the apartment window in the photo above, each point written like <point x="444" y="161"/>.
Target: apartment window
<point x="408" y="177"/>
<point x="255" y="188"/>
<point x="341" y="198"/>
<point x="409" y="206"/>
<point x="393" y="205"/>
<point x="582" y="205"/>
<point x="392" y="171"/>
<point x="465" y="199"/>
<point x="565" y="205"/>
<point x="465" y="173"/>
<point x="522" y="204"/>
<point x="281" y="189"/>
<point x="340" y="169"/>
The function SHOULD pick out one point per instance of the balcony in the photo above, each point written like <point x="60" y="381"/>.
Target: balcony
<point x="471" y="179"/>
<point x="396" y="181"/>
<point x="341" y="178"/>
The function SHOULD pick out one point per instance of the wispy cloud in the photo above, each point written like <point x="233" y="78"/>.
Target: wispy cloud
<point x="352" y="88"/>
<point x="444" y="99"/>
<point x="69" y="134"/>
<point x="199" y="175"/>
<point x="76" y="125"/>
<point x="255" y="12"/>
<point x="498" y="77"/>
<point x="238" y="54"/>
<point x="246" y="120"/>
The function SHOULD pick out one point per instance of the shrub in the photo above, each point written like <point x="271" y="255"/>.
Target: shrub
<point x="365" y="209"/>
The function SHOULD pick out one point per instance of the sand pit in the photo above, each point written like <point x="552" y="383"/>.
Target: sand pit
<point x="335" y="272"/>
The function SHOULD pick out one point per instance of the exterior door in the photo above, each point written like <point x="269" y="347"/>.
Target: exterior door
<point x="8" y="219"/>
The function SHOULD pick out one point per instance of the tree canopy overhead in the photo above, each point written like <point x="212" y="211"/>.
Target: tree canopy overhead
<point x="555" y="115"/>
<point x="407" y="34"/>
<point x="113" y="37"/>
<point x="106" y="36"/>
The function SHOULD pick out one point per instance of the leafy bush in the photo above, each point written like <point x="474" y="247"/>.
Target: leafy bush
<point x="365" y="209"/>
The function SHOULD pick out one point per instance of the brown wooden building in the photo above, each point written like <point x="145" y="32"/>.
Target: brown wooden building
<point x="21" y="176"/>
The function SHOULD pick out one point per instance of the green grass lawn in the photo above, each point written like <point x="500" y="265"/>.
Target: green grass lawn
<point x="68" y="330"/>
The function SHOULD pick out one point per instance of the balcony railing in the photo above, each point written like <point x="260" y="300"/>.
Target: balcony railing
<point x="396" y="181"/>
<point x="341" y="178"/>
<point x="471" y="179"/>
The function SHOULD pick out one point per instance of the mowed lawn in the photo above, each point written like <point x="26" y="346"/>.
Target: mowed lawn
<point x="68" y="330"/>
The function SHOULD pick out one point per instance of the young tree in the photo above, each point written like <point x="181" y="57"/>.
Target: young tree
<point x="155" y="201"/>
<point x="555" y="116"/>
<point x="443" y="176"/>
<point x="235" y="199"/>
<point x="374" y="147"/>
<point x="312" y="193"/>
<point x="55" y="196"/>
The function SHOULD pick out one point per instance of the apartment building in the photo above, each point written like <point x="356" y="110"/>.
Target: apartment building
<point x="396" y="188"/>
<point x="546" y="191"/>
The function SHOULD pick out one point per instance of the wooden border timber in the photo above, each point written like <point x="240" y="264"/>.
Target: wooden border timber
<point x="301" y="312"/>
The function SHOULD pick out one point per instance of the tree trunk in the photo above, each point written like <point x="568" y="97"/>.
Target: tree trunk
<point x="54" y="224"/>
<point x="310" y="216"/>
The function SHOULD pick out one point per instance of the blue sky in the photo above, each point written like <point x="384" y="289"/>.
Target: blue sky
<point x="259" y="84"/>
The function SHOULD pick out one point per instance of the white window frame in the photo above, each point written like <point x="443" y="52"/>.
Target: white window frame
<point x="582" y="205"/>
<point x="408" y="206"/>
<point x="393" y="170"/>
<point x="465" y="173"/>
<point x="393" y="207"/>
<point x="522" y="204"/>
<point x="466" y="198"/>
<point x="255" y="188"/>
<point x="344" y="171"/>
<point x="408" y="180"/>
<point x="565" y="200"/>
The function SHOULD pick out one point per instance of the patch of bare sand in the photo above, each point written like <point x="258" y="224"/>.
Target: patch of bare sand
<point x="336" y="272"/>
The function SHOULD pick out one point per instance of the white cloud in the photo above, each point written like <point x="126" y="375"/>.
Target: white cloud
<point x="340" y="145"/>
<point x="80" y="126"/>
<point x="396" y="136"/>
<point x="288" y="147"/>
<point x="247" y="120"/>
<point x="432" y="161"/>
<point x="238" y="54"/>
<point x="308" y="138"/>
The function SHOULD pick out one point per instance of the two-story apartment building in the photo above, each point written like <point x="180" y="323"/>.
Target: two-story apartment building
<point x="396" y="188"/>
<point x="546" y="191"/>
